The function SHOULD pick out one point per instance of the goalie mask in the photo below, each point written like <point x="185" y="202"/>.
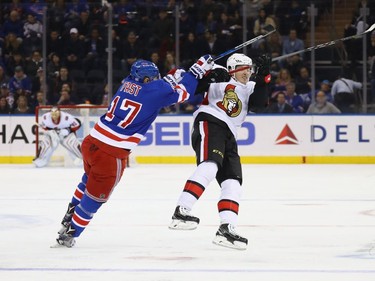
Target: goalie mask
<point x="55" y="114"/>
<point x="239" y="60"/>
<point x="143" y="70"/>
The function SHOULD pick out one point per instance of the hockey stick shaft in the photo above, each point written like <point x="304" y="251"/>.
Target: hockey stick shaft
<point x="330" y="43"/>
<point x="269" y="28"/>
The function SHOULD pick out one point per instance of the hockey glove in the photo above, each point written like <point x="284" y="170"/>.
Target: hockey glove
<point x="216" y="75"/>
<point x="174" y="77"/>
<point x="263" y="63"/>
<point x="200" y="68"/>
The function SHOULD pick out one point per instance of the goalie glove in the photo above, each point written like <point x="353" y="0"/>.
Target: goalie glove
<point x="202" y="66"/>
<point x="263" y="64"/>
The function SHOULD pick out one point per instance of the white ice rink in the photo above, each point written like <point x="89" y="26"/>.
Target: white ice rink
<point x="303" y="222"/>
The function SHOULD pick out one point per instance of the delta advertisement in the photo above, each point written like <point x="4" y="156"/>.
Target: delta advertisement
<point x="261" y="139"/>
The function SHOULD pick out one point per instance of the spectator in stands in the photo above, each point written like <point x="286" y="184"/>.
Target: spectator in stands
<point x="19" y="84"/>
<point x="40" y="100"/>
<point x="155" y="58"/>
<point x="12" y="45"/>
<point x="35" y="63"/>
<point x="74" y="50"/>
<point x="292" y="44"/>
<point x="65" y="98"/>
<point x="33" y="36"/>
<point x="303" y="81"/>
<point x="37" y="82"/>
<point x="132" y="50"/>
<point x="95" y="51"/>
<point x="162" y="31"/>
<point x="189" y="50"/>
<point x="56" y="84"/>
<point x="321" y="105"/>
<point x="12" y="25"/>
<point x="117" y="53"/>
<point x="4" y="78"/>
<point x="4" y="92"/>
<point x="325" y="86"/>
<point x="16" y="59"/>
<point x="274" y="46"/>
<point x="84" y="25"/>
<point x="169" y="63"/>
<point x="208" y="22"/>
<point x="32" y="27"/>
<point x="210" y="44"/>
<point x="283" y="78"/>
<point x="4" y="106"/>
<point x="280" y="106"/>
<point x="293" y="99"/>
<point x="22" y="106"/>
<point x="72" y="12"/>
<point x="262" y="20"/>
<point x="55" y="44"/>
<point x="53" y="66"/>
<point x="187" y="25"/>
<point x="56" y="12"/>
<point x="343" y="93"/>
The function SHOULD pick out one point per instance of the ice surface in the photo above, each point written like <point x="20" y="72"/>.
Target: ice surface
<point x="303" y="222"/>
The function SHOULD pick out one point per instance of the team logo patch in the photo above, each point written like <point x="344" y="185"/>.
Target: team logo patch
<point x="231" y="104"/>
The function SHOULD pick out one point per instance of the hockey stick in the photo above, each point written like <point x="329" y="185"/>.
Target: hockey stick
<point x="333" y="42"/>
<point x="269" y="28"/>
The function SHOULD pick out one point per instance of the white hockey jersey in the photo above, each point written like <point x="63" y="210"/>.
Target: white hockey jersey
<point x="228" y="102"/>
<point x="66" y="121"/>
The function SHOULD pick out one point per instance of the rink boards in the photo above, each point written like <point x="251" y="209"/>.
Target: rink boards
<point x="261" y="139"/>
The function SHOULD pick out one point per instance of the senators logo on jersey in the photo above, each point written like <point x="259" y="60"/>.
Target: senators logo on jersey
<point x="231" y="104"/>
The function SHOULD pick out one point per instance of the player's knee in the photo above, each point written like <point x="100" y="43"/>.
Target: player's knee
<point x="221" y="179"/>
<point x="89" y="205"/>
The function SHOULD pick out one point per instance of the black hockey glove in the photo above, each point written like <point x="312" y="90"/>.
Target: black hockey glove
<point x="263" y="64"/>
<point x="216" y="75"/>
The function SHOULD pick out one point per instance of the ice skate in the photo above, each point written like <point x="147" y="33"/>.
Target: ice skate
<point x="66" y="238"/>
<point x="67" y="218"/>
<point x="226" y="236"/>
<point x="183" y="220"/>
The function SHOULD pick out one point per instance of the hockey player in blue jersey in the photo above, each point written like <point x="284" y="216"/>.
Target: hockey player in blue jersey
<point x="105" y="150"/>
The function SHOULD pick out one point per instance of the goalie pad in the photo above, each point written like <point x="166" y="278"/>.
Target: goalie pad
<point x="46" y="147"/>
<point x="73" y="145"/>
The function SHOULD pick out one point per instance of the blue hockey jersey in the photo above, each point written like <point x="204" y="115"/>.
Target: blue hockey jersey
<point x="135" y="106"/>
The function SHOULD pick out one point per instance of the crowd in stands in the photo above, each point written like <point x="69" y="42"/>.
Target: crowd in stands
<point x="76" y="47"/>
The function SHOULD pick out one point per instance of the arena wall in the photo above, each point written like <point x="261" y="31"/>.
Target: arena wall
<point x="282" y="139"/>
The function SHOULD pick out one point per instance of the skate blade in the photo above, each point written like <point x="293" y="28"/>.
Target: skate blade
<point x="183" y="225"/>
<point x="222" y="241"/>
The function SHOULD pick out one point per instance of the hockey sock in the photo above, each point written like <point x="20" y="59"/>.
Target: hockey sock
<point x="196" y="184"/>
<point x="83" y="214"/>
<point x="228" y="205"/>
<point x="80" y="190"/>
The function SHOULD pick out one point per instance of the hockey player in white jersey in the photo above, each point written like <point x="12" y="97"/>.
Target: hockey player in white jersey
<point x="59" y="128"/>
<point x="222" y="112"/>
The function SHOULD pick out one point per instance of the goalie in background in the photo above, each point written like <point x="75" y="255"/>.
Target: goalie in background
<point x="59" y="128"/>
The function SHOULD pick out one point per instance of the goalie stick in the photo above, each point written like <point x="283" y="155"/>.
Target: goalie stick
<point x="330" y="43"/>
<point x="269" y="28"/>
